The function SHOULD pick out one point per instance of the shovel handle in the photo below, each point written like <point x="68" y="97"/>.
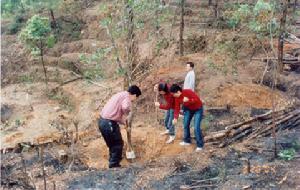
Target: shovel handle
<point x="128" y="131"/>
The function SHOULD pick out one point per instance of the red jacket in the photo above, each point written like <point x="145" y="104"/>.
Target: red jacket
<point x="193" y="103"/>
<point x="169" y="102"/>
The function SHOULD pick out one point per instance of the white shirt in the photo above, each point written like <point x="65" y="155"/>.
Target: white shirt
<point x="189" y="81"/>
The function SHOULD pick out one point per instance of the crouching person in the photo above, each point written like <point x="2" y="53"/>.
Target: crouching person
<point x="193" y="108"/>
<point x="163" y="89"/>
<point x="114" y="113"/>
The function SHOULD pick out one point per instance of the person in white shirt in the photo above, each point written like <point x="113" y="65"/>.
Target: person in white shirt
<point x="189" y="81"/>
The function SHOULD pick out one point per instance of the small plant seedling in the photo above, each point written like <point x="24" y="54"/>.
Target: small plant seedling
<point x="287" y="154"/>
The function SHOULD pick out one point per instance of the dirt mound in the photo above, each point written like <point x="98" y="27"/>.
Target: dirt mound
<point x="147" y="142"/>
<point x="249" y="95"/>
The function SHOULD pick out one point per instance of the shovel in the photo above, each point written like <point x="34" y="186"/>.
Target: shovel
<point x="129" y="152"/>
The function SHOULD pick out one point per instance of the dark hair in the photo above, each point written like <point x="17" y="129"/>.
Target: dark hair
<point x="163" y="87"/>
<point x="191" y="64"/>
<point x="134" y="90"/>
<point x="175" y="88"/>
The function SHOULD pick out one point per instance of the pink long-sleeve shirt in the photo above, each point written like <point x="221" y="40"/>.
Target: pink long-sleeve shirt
<point x="118" y="105"/>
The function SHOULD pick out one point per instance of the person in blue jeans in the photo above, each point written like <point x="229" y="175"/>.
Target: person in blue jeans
<point x="193" y="108"/>
<point x="163" y="89"/>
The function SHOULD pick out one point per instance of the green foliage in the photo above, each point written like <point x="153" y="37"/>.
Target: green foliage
<point x="240" y="15"/>
<point x="261" y="6"/>
<point x="93" y="73"/>
<point x="287" y="154"/>
<point x="36" y="33"/>
<point x="9" y="7"/>
<point x="259" y="19"/>
<point x="13" y="7"/>
<point x="51" y="40"/>
<point x="95" y="68"/>
<point x="16" y="23"/>
<point x="264" y="21"/>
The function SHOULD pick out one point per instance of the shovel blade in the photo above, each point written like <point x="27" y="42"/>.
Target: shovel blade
<point x="130" y="155"/>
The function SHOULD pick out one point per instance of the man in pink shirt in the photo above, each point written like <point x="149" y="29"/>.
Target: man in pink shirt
<point x="111" y="116"/>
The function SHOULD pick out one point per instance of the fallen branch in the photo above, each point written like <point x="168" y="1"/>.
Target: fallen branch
<point x="67" y="82"/>
<point x="259" y="126"/>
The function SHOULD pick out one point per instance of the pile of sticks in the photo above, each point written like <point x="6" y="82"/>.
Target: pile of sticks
<point x="258" y="126"/>
<point x="287" y="59"/>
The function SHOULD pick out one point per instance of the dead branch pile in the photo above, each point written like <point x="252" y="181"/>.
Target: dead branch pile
<point x="258" y="126"/>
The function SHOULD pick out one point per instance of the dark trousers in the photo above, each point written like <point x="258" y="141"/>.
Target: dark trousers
<point x="110" y="131"/>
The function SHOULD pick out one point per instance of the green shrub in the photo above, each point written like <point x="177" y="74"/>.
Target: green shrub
<point x="287" y="154"/>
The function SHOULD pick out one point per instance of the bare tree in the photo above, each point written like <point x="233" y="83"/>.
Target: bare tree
<point x="182" y="2"/>
<point x="216" y="11"/>
<point x="281" y="36"/>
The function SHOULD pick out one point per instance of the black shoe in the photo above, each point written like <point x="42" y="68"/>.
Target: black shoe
<point x="114" y="166"/>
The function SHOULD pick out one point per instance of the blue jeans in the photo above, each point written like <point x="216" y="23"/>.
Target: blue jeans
<point x="168" y="121"/>
<point x="188" y="116"/>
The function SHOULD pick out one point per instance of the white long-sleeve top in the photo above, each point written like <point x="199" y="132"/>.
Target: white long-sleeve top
<point x="189" y="81"/>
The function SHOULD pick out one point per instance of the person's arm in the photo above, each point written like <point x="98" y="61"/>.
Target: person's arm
<point x="189" y="98"/>
<point x="126" y="109"/>
<point x="176" y="108"/>
<point x="167" y="105"/>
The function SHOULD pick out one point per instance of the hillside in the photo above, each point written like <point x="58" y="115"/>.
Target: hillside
<point x="49" y="132"/>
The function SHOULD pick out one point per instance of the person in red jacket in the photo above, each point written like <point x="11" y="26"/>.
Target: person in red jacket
<point x="193" y="108"/>
<point x="163" y="89"/>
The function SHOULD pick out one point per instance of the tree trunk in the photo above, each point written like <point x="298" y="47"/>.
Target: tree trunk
<point x="281" y="37"/>
<point x="181" y="28"/>
<point x="42" y="60"/>
<point x="273" y="112"/>
<point x="53" y="20"/>
<point x="216" y="10"/>
<point x="295" y="7"/>
<point x="209" y="2"/>
<point x="130" y="47"/>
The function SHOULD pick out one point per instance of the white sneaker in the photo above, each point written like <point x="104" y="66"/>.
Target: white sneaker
<point x="171" y="139"/>
<point x="165" y="133"/>
<point x="198" y="149"/>
<point x="184" y="143"/>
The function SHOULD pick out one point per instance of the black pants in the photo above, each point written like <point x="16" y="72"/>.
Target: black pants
<point x="110" y="131"/>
